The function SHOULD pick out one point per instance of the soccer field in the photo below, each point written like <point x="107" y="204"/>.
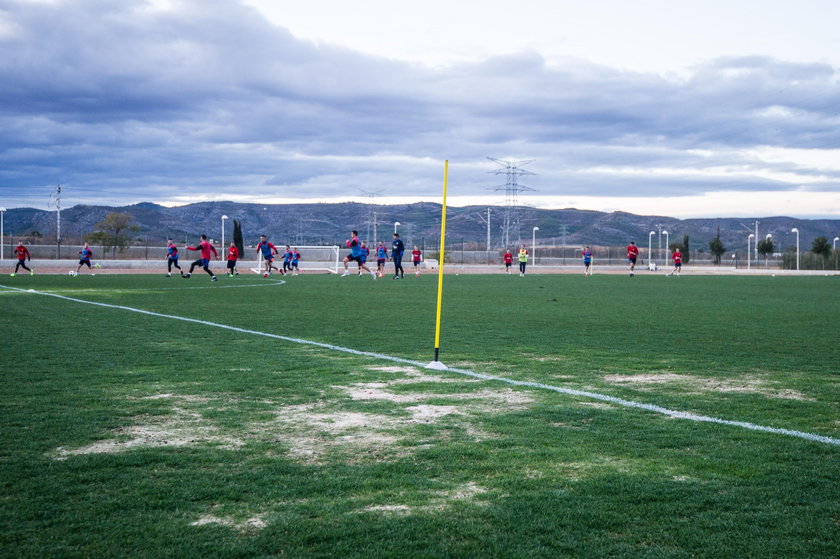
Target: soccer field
<point x="145" y="416"/>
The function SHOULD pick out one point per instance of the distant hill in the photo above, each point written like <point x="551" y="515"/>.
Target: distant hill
<point x="308" y="224"/>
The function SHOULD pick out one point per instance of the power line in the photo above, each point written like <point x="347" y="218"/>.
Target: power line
<point x="512" y="171"/>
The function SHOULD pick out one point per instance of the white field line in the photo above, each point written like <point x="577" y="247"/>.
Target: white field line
<point x="570" y="391"/>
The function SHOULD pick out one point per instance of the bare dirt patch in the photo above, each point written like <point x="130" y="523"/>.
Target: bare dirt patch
<point x="696" y="384"/>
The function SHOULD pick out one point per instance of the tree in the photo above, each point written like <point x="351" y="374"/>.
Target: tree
<point x="113" y="232"/>
<point x="821" y="247"/>
<point x="237" y="238"/>
<point x="716" y="248"/>
<point x="685" y="250"/>
<point x="766" y="247"/>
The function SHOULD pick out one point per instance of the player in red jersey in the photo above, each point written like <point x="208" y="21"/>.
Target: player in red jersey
<point x="632" y="255"/>
<point x="23" y="255"/>
<point x="415" y="257"/>
<point x="508" y="260"/>
<point x="232" y="257"/>
<point x="677" y="258"/>
<point x="208" y="252"/>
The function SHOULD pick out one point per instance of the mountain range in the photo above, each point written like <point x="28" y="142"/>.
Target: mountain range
<point x="315" y="224"/>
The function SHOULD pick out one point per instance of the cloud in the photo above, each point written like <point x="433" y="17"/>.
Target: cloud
<point x="125" y="102"/>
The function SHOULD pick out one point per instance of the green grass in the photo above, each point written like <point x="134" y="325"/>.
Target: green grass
<point x="124" y="434"/>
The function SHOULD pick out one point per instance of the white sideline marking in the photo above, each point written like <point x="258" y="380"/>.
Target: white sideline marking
<point x="570" y="391"/>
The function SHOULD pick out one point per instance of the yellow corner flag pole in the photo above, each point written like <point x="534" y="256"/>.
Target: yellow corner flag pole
<point x="436" y="364"/>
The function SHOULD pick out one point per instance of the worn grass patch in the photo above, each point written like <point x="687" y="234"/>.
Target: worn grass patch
<point x="124" y="434"/>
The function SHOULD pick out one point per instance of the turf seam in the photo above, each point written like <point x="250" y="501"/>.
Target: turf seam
<point x="482" y="376"/>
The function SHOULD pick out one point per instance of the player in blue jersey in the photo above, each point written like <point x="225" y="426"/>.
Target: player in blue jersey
<point x="356" y="255"/>
<point x="587" y="261"/>
<point x="295" y="261"/>
<point x="397" y="250"/>
<point x="171" y="258"/>
<point x="84" y="257"/>
<point x="287" y="260"/>
<point x="268" y="251"/>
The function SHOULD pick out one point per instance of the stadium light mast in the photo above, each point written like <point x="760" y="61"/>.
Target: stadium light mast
<point x="2" y="232"/>
<point x="534" y="244"/>
<point x="795" y="230"/>
<point x="224" y="217"/>
<point x="752" y="236"/>
<point x="665" y="257"/>
<point x="395" y="225"/>
<point x="650" y="249"/>
<point x="834" y="248"/>
<point x="512" y="171"/>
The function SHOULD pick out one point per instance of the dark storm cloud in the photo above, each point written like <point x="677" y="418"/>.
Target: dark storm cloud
<point x="127" y="103"/>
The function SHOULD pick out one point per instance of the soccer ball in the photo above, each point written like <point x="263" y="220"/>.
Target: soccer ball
<point x="265" y="275"/>
<point x="71" y="273"/>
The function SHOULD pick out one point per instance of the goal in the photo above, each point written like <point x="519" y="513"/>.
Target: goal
<point x="312" y="259"/>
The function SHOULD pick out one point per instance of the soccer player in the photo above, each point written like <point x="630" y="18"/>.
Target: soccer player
<point x="287" y="260"/>
<point x="84" y="257"/>
<point x="632" y="255"/>
<point x="268" y="251"/>
<point x="587" y="261"/>
<point x="508" y="260"/>
<point x="415" y="258"/>
<point x="523" y="260"/>
<point x="356" y="255"/>
<point x="204" y="258"/>
<point x="677" y="258"/>
<point x="171" y="258"/>
<point x="232" y="257"/>
<point x="397" y="250"/>
<point x="23" y="255"/>
<point x="295" y="261"/>
<point x="381" y="257"/>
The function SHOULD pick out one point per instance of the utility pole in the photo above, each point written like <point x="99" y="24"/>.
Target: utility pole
<point x="487" y="221"/>
<point x="512" y="170"/>
<point x="563" y="230"/>
<point x="375" y="236"/>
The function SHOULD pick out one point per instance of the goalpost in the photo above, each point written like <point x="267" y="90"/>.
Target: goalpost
<point x="312" y="259"/>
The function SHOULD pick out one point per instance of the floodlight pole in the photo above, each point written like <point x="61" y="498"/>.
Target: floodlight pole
<point x="748" y="249"/>
<point x="795" y="230"/>
<point x="224" y="217"/>
<point x="395" y="225"/>
<point x="834" y="249"/>
<point x="534" y="245"/>
<point x="2" y="232"/>
<point x="665" y="260"/>
<point x="650" y="248"/>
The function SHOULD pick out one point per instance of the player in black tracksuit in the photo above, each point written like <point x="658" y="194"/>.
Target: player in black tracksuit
<point x="396" y="256"/>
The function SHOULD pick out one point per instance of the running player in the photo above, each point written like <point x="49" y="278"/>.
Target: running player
<point x="381" y="257"/>
<point x="204" y="258"/>
<point x="397" y="250"/>
<point x="523" y="260"/>
<point x="632" y="255"/>
<point x="415" y="258"/>
<point x="23" y="255"/>
<point x="171" y="258"/>
<point x="268" y="251"/>
<point x="508" y="260"/>
<point x="677" y="258"/>
<point x="232" y="257"/>
<point x="295" y="261"/>
<point x="84" y="257"/>
<point x="587" y="261"/>
<point x="356" y="255"/>
<point x="287" y="260"/>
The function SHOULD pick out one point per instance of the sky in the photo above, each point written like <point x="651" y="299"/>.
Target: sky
<point x="689" y="109"/>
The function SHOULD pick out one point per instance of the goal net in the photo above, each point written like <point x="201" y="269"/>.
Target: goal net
<point x="312" y="259"/>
